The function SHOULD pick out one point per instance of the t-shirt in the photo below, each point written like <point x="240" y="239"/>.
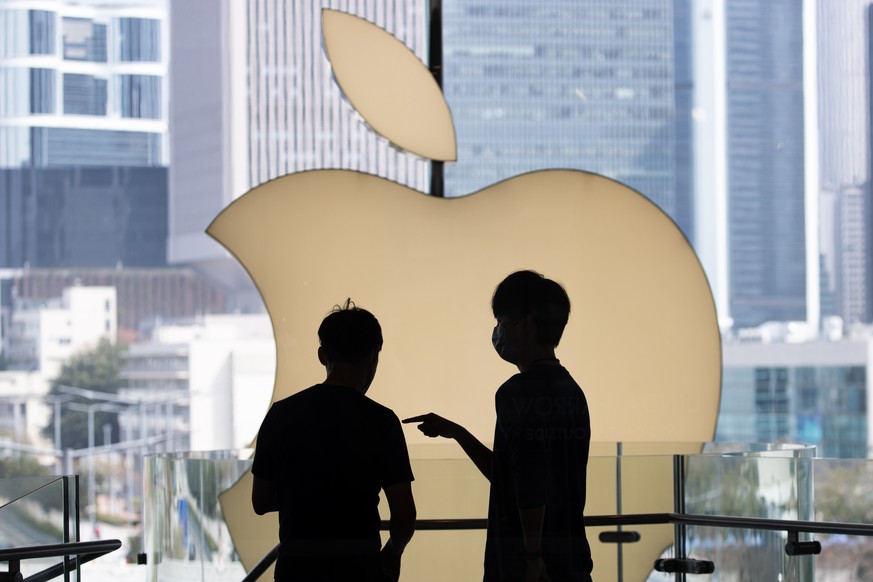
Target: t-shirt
<point x="540" y="458"/>
<point x="329" y="450"/>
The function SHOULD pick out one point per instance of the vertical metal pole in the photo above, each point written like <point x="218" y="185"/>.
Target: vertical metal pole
<point x="92" y="498"/>
<point x="16" y="425"/>
<point x="57" y="427"/>
<point x="107" y="438"/>
<point x="679" y="549"/>
<point x="168" y="416"/>
<point x="619" y="546"/>
<point x="78" y="531"/>
<point x="66" y="481"/>
<point x="128" y="467"/>
<point x="435" y="63"/>
<point x="200" y="503"/>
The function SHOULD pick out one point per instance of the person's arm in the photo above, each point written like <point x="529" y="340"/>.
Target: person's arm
<point x="434" y="425"/>
<point x="402" y="520"/>
<point x="532" y="532"/>
<point x="265" y="496"/>
<point x="401" y="526"/>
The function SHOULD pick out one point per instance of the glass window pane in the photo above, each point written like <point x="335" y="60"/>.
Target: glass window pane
<point x="42" y="91"/>
<point x="42" y="32"/>
<point x="84" y="95"/>
<point x="141" y="96"/>
<point x="140" y="39"/>
<point x="84" y="40"/>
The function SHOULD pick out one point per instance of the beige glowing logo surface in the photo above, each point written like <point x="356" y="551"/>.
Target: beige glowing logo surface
<point x="642" y="341"/>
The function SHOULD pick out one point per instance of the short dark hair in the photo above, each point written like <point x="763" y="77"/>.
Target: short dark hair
<point x="526" y="293"/>
<point x="349" y="333"/>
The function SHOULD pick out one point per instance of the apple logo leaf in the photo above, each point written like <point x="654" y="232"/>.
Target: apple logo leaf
<point x="389" y="86"/>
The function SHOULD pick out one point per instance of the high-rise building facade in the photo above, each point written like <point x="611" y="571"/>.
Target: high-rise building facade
<point x="602" y="87"/>
<point x="83" y="92"/>
<point x="253" y="99"/>
<point x="766" y="181"/>
<point x="843" y="41"/>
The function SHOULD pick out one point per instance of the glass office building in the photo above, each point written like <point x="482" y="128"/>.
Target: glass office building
<point x="766" y="161"/>
<point x="601" y="87"/>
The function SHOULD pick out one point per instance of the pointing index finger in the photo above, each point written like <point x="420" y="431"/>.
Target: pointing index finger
<point x="420" y="418"/>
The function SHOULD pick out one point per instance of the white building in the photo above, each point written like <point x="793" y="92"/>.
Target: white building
<point x="23" y="409"/>
<point x="205" y="385"/>
<point x="45" y="334"/>
<point x="82" y="83"/>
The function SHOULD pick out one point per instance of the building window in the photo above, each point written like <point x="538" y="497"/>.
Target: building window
<point x="42" y="32"/>
<point x="140" y="39"/>
<point x="84" y="40"/>
<point x="141" y="96"/>
<point x="42" y="91"/>
<point x="84" y="95"/>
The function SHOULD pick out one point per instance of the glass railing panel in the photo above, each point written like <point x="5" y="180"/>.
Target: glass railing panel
<point x="37" y="511"/>
<point x="630" y="478"/>
<point x="843" y="492"/>
<point x="447" y="486"/>
<point x="772" y="482"/>
<point x="190" y="505"/>
<point x="746" y="554"/>
<point x="186" y="535"/>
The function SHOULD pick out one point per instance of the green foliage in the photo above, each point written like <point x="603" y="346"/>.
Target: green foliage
<point x="23" y="466"/>
<point x="100" y="370"/>
<point x="845" y="493"/>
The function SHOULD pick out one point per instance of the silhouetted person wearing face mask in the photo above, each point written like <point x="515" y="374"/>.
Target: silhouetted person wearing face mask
<point x="538" y="467"/>
<point x="322" y="457"/>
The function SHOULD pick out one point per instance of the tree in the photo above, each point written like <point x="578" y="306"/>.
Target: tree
<point x="98" y="369"/>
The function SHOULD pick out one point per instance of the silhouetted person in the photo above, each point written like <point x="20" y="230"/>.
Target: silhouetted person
<point x="538" y="467"/>
<point x="322" y="457"/>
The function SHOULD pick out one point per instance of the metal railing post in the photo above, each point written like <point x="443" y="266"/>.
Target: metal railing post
<point x="679" y="549"/>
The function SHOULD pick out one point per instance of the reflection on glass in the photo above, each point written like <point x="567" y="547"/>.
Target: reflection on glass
<point x="36" y="511"/>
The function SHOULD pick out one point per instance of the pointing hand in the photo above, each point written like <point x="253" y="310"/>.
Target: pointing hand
<point x="434" y="425"/>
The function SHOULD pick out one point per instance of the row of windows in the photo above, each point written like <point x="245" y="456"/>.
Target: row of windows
<point x="524" y="72"/>
<point x="609" y="111"/>
<point x="34" y="91"/>
<point x="35" y="32"/>
<point x="45" y="147"/>
<point x="563" y="52"/>
<point x="569" y="12"/>
<point x="539" y="91"/>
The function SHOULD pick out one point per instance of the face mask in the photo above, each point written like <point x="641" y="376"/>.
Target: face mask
<point x="503" y="348"/>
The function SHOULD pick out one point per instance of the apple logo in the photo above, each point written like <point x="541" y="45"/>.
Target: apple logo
<point x="643" y="339"/>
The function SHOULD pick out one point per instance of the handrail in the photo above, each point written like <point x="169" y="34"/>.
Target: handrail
<point x="263" y="565"/>
<point x="787" y="525"/>
<point x="75" y="553"/>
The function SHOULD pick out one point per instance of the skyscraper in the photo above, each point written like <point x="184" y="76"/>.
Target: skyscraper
<point x="766" y="143"/>
<point x="253" y="99"/>
<point x="844" y="121"/>
<point x="603" y="87"/>
<point x="83" y="132"/>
